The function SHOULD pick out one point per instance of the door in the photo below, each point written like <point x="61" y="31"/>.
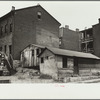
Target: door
<point x="76" y="67"/>
<point x="64" y="62"/>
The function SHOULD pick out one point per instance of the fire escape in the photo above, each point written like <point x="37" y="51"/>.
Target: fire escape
<point x="87" y="41"/>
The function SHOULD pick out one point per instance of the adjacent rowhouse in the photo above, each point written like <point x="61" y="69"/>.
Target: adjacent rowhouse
<point x="90" y="40"/>
<point x="69" y="39"/>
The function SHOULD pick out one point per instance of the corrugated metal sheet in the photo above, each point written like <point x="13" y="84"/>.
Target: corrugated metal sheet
<point x="72" y="53"/>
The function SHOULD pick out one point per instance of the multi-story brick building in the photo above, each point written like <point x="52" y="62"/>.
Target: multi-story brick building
<point x="69" y="39"/>
<point x="22" y="27"/>
<point x="90" y="40"/>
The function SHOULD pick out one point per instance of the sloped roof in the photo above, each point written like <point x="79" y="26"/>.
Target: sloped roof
<point x="70" y="53"/>
<point x="41" y="46"/>
<point x="28" y="8"/>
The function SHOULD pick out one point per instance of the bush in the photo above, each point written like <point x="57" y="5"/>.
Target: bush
<point x="45" y="76"/>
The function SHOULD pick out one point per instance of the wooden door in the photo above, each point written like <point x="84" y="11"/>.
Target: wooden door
<point x="64" y="62"/>
<point x="76" y="67"/>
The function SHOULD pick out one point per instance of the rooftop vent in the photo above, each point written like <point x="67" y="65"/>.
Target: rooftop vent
<point x="77" y="30"/>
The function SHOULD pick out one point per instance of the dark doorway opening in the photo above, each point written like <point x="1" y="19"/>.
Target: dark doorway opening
<point x="64" y="62"/>
<point x="76" y="67"/>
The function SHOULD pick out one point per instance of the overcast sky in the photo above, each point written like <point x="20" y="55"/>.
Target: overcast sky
<point x="73" y="13"/>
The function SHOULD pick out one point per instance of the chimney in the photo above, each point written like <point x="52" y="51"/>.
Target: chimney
<point x="66" y="26"/>
<point x="99" y="20"/>
<point x="77" y="30"/>
<point x="13" y="8"/>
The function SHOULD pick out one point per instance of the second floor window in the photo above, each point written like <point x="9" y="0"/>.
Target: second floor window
<point x="6" y="28"/>
<point x="10" y="27"/>
<point x="1" y="30"/>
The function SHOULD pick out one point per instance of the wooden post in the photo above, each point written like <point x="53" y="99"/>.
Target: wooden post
<point x="35" y="56"/>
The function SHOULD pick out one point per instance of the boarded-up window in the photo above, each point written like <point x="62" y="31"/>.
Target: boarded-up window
<point x="42" y="60"/>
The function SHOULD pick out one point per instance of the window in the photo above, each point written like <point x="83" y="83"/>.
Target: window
<point x="10" y="49"/>
<point x="6" y="28"/>
<point x="10" y="27"/>
<point x="32" y="52"/>
<point x="1" y="31"/>
<point x="42" y="60"/>
<point x="39" y="15"/>
<point x="5" y="48"/>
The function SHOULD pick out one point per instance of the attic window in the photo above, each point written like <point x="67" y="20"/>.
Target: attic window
<point x="39" y="15"/>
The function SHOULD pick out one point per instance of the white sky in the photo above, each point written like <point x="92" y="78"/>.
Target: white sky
<point x="73" y="13"/>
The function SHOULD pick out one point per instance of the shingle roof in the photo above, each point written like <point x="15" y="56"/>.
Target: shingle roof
<point x="70" y="53"/>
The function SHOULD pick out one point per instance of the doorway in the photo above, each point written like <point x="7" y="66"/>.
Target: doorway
<point x="76" y="67"/>
<point x="64" y="62"/>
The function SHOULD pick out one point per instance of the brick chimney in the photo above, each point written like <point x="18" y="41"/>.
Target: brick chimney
<point x="66" y="26"/>
<point x="77" y="30"/>
<point x="99" y="20"/>
<point x="13" y="8"/>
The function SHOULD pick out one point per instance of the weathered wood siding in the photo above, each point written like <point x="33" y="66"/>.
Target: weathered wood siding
<point x="28" y="59"/>
<point x="87" y="66"/>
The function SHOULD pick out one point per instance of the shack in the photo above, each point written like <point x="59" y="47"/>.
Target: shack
<point x="29" y="56"/>
<point x="62" y="63"/>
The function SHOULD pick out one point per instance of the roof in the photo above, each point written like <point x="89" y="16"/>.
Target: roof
<point x="86" y="29"/>
<point x="33" y="45"/>
<point x="29" y="8"/>
<point x="70" y="53"/>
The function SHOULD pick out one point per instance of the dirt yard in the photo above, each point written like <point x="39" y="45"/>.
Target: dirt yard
<point x="25" y="75"/>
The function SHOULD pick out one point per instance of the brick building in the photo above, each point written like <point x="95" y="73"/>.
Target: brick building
<point x="25" y="26"/>
<point x="69" y="39"/>
<point x="90" y="40"/>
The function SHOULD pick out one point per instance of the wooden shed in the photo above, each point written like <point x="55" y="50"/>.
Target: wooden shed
<point x="61" y="63"/>
<point x="29" y="56"/>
